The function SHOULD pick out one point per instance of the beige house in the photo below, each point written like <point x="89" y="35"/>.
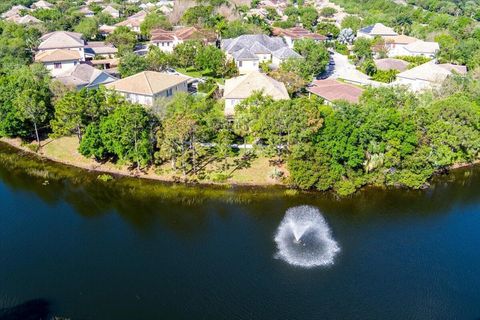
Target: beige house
<point x="111" y="11"/>
<point x="428" y="75"/>
<point x="239" y="88"/>
<point x="58" y="61"/>
<point x="65" y="40"/>
<point x="26" y="19"/>
<point x="14" y="11"/>
<point x="133" y="22"/>
<point x="145" y="87"/>
<point x="42" y="5"/>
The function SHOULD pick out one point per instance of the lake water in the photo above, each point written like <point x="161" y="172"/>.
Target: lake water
<point x="76" y="247"/>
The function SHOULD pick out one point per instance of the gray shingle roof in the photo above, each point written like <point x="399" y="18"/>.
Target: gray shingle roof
<point x="285" y="53"/>
<point x="244" y="54"/>
<point x="249" y="40"/>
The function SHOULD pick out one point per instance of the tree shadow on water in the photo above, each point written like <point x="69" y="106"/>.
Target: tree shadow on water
<point x="35" y="309"/>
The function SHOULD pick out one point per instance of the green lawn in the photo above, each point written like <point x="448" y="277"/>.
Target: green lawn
<point x="199" y="74"/>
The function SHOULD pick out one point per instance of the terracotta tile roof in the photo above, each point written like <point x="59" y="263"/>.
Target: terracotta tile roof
<point x="298" y="33"/>
<point x="187" y="33"/>
<point x="57" y="55"/>
<point x="333" y="90"/>
<point x="399" y="39"/>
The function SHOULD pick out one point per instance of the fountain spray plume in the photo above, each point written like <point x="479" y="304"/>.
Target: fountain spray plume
<point x="304" y="238"/>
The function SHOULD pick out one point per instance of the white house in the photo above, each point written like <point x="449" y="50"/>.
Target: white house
<point x="296" y="33"/>
<point x="72" y="41"/>
<point x="428" y="75"/>
<point x="86" y="12"/>
<point x="145" y="87"/>
<point x="248" y="51"/>
<point x="396" y="44"/>
<point x="167" y="40"/>
<point x="239" y="88"/>
<point x="376" y="30"/>
<point x="58" y="61"/>
<point x="133" y="22"/>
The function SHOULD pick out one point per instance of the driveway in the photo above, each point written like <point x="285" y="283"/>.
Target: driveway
<point x="345" y="70"/>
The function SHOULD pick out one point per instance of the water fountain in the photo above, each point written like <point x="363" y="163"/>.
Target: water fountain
<point x="304" y="238"/>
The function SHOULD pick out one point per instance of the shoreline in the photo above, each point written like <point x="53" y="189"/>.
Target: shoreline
<point x="124" y="172"/>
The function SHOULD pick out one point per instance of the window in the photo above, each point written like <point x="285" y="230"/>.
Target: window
<point x="239" y="63"/>
<point x="169" y="92"/>
<point x="57" y="65"/>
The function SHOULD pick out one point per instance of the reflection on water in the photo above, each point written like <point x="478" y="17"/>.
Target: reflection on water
<point x="35" y="309"/>
<point x="136" y="249"/>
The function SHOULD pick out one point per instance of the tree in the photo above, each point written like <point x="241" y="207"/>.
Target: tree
<point x="316" y="58"/>
<point x="122" y="38"/>
<point x="32" y="108"/>
<point x="327" y="29"/>
<point x="346" y="36"/>
<point x="351" y="22"/>
<point x="154" y="21"/>
<point x="21" y="115"/>
<point x="76" y="110"/>
<point x="308" y="17"/>
<point x="210" y="58"/>
<point x="126" y="133"/>
<point x="131" y="64"/>
<point x="328" y="12"/>
<point x="186" y="52"/>
<point x="362" y="49"/>
<point x="88" y="27"/>
<point x="158" y="60"/>
<point x="293" y="82"/>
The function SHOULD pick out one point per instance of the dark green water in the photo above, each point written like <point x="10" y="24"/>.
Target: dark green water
<point x="129" y="249"/>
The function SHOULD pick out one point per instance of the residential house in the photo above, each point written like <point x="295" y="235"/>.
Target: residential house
<point x="58" y="61"/>
<point x="111" y="11"/>
<point x="105" y="30"/>
<point x="248" y="51"/>
<point x="27" y="19"/>
<point x="422" y="48"/>
<point x="239" y="88"/>
<point x="14" y="11"/>
<point x="333" y="90"/>
<point x="376" y="30"/>
<point x="391" y="64"/>
<point x="99" y="49"/>
<point x="296" y="33"/>
<point x="133" y="22"/>
<point x="428" y="75"/>
<point x="85" y="76"/>
<point x="145" y="87"/>
<point x="63" y="40"/>
<point x="87" y="13"/>
<point x="167" y="40"/>
<point x="396" y="44"/>
<point x="106" y="64"/>
<point x="41" y="4"/>
<point x="283" y="54"/>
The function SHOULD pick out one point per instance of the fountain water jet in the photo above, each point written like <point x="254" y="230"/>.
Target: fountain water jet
<point x="304" y="238"/>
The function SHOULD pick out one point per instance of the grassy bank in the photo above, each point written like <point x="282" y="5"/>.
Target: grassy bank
<point x="258" y="172"/>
